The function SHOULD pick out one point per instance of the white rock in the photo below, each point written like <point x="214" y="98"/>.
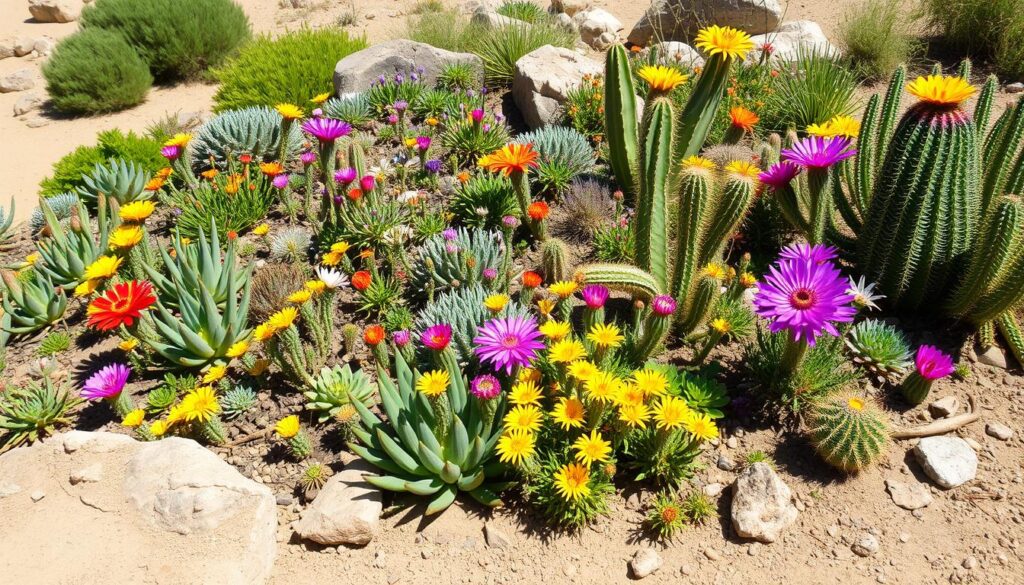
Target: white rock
<point x="55" y="10"/>
<point x="21" y="80"/>
<point x="792" y="39"/>
<point x="604" y="41"/>
<point x="543" y="79"/>
<point x="495" y="537"/>
<point x="945" y="406"/>
<point x="679" y="20"/>
<point x="72" y="441"/>
<point x="594" y="22"/>
<point x="43" y="45"/>
<point x="762" y="504"/>
<point x="999" y="431"/>
<point x="565" y="21"/>
<point x="570" y="7"/>
<point x="677" y="52"/>
<point x="644" y="562"/>
<point x="7" y="48"/>
<point x="866" y="545"/>
<point x="357" y="71"/>
<point x="90" y="474"/>
<point x="8" y="488"/>
<point x="23" y="46"/>
<point x="909" y="496"/>
<point x="489" y="18"/>
<point x="1016" y="87"/>
<point x="949" y="461"/>
<point x="713" y="490"/>
<point x="37" y="495"/>
<point x="993" y="356"/>
<point x="346" y="511"/>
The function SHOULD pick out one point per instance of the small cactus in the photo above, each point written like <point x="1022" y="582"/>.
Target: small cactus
<point x="879" y="348"/>
<point x="554" y="259"/>
<point x="849" y="431"/>
<point x="349" y="337"/>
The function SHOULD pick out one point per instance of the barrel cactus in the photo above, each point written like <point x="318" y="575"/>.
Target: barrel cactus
<point x="849" y="431"/>
<point x="554" y="258"/>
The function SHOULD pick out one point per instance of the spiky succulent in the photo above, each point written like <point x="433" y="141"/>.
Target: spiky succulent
<point x="54" y="343"/>
<point x="255" y="131"/>
<point x="291" y="244"/>
<point x="271" y="286"/>
<point x="68" y="251"/>
<point x="32" y="305"/>
<point x="879" y="348"/>
<point x="432" y="103"/>
<point x="122" y="180"/>
<point x="665" y="517"/>
<point x="314" y="477"/>
<point x="30" y="413"/>
<point x="848" y="430"/>
<point x="354" y="108"/>
<point x="484" y="200"/>
<point x="6" y="220"/>
<point x="445" y="264"/>
<point x="468" y="140"/>
<point x="63" y="206"/>
<point x="338" y="387"/>
<point x="464" y="310"/>
<point x="565" y="154"/>
<point x="541" y="490"/>
<point x="458" y="76"/>
<point x="237" y="401"/>
<point x="198" y="265"/>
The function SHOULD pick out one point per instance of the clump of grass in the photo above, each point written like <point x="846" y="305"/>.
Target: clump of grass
<point x="875" y="36"/>
<point x="523" y="10"/>
<point x="812" y="90"/>
<point x="440" y="27"/>
<point x="987" y="29"/>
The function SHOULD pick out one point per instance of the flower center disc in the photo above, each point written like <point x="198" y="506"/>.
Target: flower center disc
<point x="802" y="299"/>
<point x="510" y="341"/>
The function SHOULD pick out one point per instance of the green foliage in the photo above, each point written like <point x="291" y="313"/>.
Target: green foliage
<point x="237" y="401"/>
<point x="458" y="77"/>
<point x="291" y="68"/>
<point x="252" y="130"/>
<point x="383" y="294"/>
<point x="698" y="507"/>
<point x="879" y="348"/>
<point x="123" y="181"/>
<point x="564" y="154"/>
<point x="32" y="305"/>
<point x="467" y="141"/>
<point x="444" y="28"/>
<point x="758" y="457"/>
<point x="876" y="37"/>
<point x="437" y="268"/>
<point x="614" y="244"/>
<point x="483" y="200"/>
<point x="70" y="171"/>
<point x="432" y="103"/>
<point x="291" y="244"/>
<point x="54" y="343"/>
<point x="813" y="89"/>
<point x="94" y="72"/>
<point x="501" y="47"/>
<point x="28" y="414"/>
<point x="701" y="393"/>
<point x="667" y="457"/>
<point x="231" y="204"/>
<point x="572" y="514"/>
<point x="620" y="119"/>
<point x="63" y="206"/>
<point x="435" y="447"/>
<point x="463" y="309"/>
<point x="336" y="388"/>
<point x="584" y="107"/>
<point x="399" y="317"/>
<point x="161" y="398"/>
<point x="385" y="91"/>
<point x="352" y="108"/>
<point x="178" y="40"/>
<point x="849" y="431"/>
<point x="665" y="517"/>
<point x="554" y="260"/>
<point x="198" y="266"/>
<point x="367" y="225"/>
<point x="523" y="10"/>
<point x="989" y="29"/>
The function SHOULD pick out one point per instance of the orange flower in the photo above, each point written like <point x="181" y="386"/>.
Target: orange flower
<point x="232" y="235"/>
<point x="164" y="172"/>
<point x="361" y="280"/>
<point x="743" y="118"/>
<point x="234" y="182"/>
<point x="271" y="169"/>
<point x="538" y="210"/>
<point x="155" y="184"/>
<point x="355" y="194"/>
<point x="463" y="177"/>
<point x="510" y="158"/>
<point x="210" y="174"/>
<point x="532" y="279"/>
<point x="373" y="335"/>
<point x="245" y="159"/>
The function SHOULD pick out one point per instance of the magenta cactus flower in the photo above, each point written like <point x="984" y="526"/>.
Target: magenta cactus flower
<point x="400" y="105"/>
<point x="817" y="253"/>
<point x="367" y="183"/>
<point x="805" y="298"/>
<point x="663" y="305"/>
<point x="345" y="176"/>
<point x="326" y="129"/>
<point x="508" y="342"/>
<point x="280" y="181"/>
<point x="932" y="364"/>
<point x="423" y="143"/>
<point x="392" y="119"/>
<point x="171" y="153"/>
<point x="449" y="234"/>
<point x="308" y="158"/>
<point x="510" y="221"/>
<point x="490" y="273"/>
<point x="595" y="296"/>
<point x="485" y="387"/>
<point x="779" y="174"/>
<point x="106" y="383"/>
<point x="402" y="337"/>
<point x="818" y="152"/>
<point x="477" y="115"/>
<point x="437" y="337"/>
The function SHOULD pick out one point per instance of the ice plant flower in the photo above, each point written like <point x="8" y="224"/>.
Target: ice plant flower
<point x="671" y="412"/>
<point x="106" y="383"/>
<point x="515" y="447"/>
<point x="434" y="383"/>
<point x="511" y="158"/>
<point x="595" y="296"/>
<point x="345" y="176"/>
<point x="134" y="418"/>
<point x="592" y="448"/>
<point x="508" y="342"/>
<point x="555" y="330"/>
<point x="331" y="278"/>
<point x="661" y="78"/>
<point x="485" y="387"/>
<point x="437" y="337"/>
<point x="538" y="210"/>
<point x="120" y="305"/>
<point x="200" y="404"/>
<point x="180" y="140"/>
<point x="171" y="153"/>
<point x="402" y="337"/>
<point x="326" y="129"/>
<point x="651" y="382"/>
<point x="525" y="392"/>
<point x="930" y="364"/>
<point x="361" y="280"/>
<point x="606" y="335"/>
<point x="367" y="183"/>
<point x="289" y="111"/>
<point x="743" y="119"/>
<point x="817" y="253"/>
<point x="287" y="427"/>
<point x="941" y="90"/>
<point x="816" y="152"/>
<point x="804" y="297"/>
<point x="779" y="174"/>
<point x="103" y="267"/>
<point x="569" y="413"/>
<point x="582" y="370"/>
<point x="564" y="289"/>
<point x="214" y="374"/>
<point x="532" y="279"/>
<point x="238" y="349"/>
<point x="729" y="42"/>
<point x="496" y="302"/>
<point x="566" y="351"/>
<point x="125" y="236"/>
<point x="572" y="482"/>
<point x="137" y="211"/>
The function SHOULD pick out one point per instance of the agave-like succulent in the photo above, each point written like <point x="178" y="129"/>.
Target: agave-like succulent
<point x="428" y="454"/>
<point x="63" y="205"/>
<point x="198" y="265"/>
<point x="30" y="413"/>
<point x="256" y="131"/>
<point x="879" y="348"/>
<point x="450" y="262"/>
<point x="121" y="180"/>
<point x="6" y="220"/>
<point x="463" y="309"/>
<point x="337" y="387"/>
<point x="32" y="305"/>
<point x="564" y="155"/>
<point x="66" y="252"/>
<point x="237" y="400"/>
<point x="354" y="108"/>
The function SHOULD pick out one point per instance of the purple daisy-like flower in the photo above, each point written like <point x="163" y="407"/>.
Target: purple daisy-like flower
<point x="308" y="158"/>
<point x="432" y="166"/>
<point x="510" y="221"/>
<point x="436" y="337"/>
<point x="779" y="174"/>
<point x="932" y="363"/>
<point x="280" y="181"/>
<point x="818" y="152"/>
<point x="326" y="129"/>
<point x="106" y="383"/>
<point x="805" y="298"/>
<point x="402" y="337"/>
<point x="172" y="152"/>
<point x="345" y="176"/>
<point x="485" y="387"/>
<point x="449" y="234"/>
<point x="507" y="342"/>
<point x="490" y="273"/>
<point x="663" y="305"/>
<point x="400" y="105"/>
<point x="817" y="253"/>
<point x="594" y="295"/>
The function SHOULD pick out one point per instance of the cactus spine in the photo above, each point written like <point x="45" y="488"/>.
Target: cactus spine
<point x="554" y="260"/>
<point x="848" y="431"/>
<point x="620" y="118"/>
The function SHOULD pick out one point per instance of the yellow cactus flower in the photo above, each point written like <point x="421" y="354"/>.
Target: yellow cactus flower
<point x="729" y="42"/>
<point x="103" y="267"/>
<point x="662" y="78"/>
<point x="287" y="427"/>
<point x="289" y="111"/>
<point x="941" y="90"/>
<point x="137" y="211"/>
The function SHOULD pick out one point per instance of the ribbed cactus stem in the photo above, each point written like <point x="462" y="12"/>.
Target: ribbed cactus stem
<point x="554" y="260"/>
<point x="123" y="404"/>
<point x="1005" y="146"/>
<point x="621" y="277"/>
<point x="652" y="205"/>
<point x="655" y="329"/>
<point x="1010" y="330"/>
<point x="521" y="187"/>
<point x="986" y="335"/>
<point x="213" y="430"/>
<point x="300" y="445"/>
<point x="792" y="354"/>
<point x="724" y="220"/>
<point x="698" y="114"/>
<point x="282" y="149"/>
<point x="694" y="199"/>
<point x="983" y="109"/>
<point x="327" y="163"/>
<point x="848" y="431"/>
<point x="915" y="388"/>
<point x="789" y="206"/>
<point x="621" y="132"/>
<point x="990" y="271"/>
<point x="442" y="409"/>
<point x="696" y="311"/>
<point x="820" y="196"/>
<point x="593" y="317"/>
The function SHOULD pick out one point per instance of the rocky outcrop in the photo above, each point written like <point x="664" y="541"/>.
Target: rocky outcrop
<point x="676" y="52"/>
<point x="598" y="28"/>
<point x="55" y="10"/>
<point x="679" y="20"/>
<point x="792" y="39"/>
<point x="762" y="504"/>
<point x="346" y="511"/>
<point x="543" y="79"/>
<point x="357" y="71"/>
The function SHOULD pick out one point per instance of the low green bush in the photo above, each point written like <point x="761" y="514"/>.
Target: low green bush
<point x="986" y="29"/>
<point x="875" y="36"/>
<point x="812" y="90"/>
<point x="68" y="171"/>
<point x="178" y="39"/>
<point x="96" y="71"/>
<point x="289" y="69"/>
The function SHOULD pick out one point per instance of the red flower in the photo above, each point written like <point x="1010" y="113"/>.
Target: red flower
<point x="232" y="235"/>
<point x="532" y="279"/>
<point x="373" y="335"/>
<point x="361" y="280"/>
<point x="355" y="194"/>
<point x="538" y="210"/>
<point x="121" y="305"/>
<point x="245" y="159"/>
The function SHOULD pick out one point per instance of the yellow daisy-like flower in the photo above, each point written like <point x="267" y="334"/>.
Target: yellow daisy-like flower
<point x="32" y="258"/>
<point x="564" y="288"/>
<point x="662" y="78"/>
<point x="515" y="447"/>
<point x="238" y="349"/>
<point x="214" y="374"/>
<point x="606" y="335"/>
<point x="529" y="375"/>
<point x="555" y="330"/>
<point x="650" y="381"/>
<point x="721" y="325"/>
<point x="696" y="162"/>
<point x="86" y="288"/>
<point x="287" y="427"/>
<point x="701" y="427"/>
<point x="410" y="142"/>
<point x="331" y="258"/>
<point x="603" y="387"/>
<point x="103" y="267"/>
<point x="289" y="111"/>
<point x="263" y="332"/>
<point x="634" y="415"/>
<point x="729" y="42"/>
<point x="261" y="230"/>
<point x="180" y="139"/>
<point x="300" y="296"/>
<point x="742" y="168"/>
<point x="128" y="345"/>
<point x="315" y="286"/>
<point x="137" y="211"/>
<point x="572" y="481"/>
<point x="201" y="404"/>
<point x="716" y="271"/>
<point x="591" y="448"/>
<point x="283" y="318"/>
<point x="569" y="413"/>
<point x="340" y="247"/>
<point x="125" y="236"/>
<point x="630" y="394"/>
<point x="134" y="418"/>
<point x="545" y="306"/>
<point x="525" y="393"/>
<point x="158" y="428"/>
<point x="748" y="280"/>
<point x="582" y="370"/>
<point x="941" y="90"/>
<point x="523" y="418"/>
<point x="433" y="383"/>
<point x="845" y="126"/>
<point x="321" y="98"/>
<point x="566" y="351"/>
<point x="177" y="412"/>
<point x="496" y="303"/>
<point x="671" y="412"/>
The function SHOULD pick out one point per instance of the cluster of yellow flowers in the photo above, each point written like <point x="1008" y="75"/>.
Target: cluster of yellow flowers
<point x="337" y="253"/>
<point x="199" y="405"/>
<point x="122" y="239"/>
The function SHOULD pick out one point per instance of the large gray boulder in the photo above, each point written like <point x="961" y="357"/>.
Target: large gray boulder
<point x="104" y="508"/>
<point x="543" y="79"/>
<point x="762" y="504"/>
<point x="791" y="39"/>
<point x="346" y="511"/>
<point x="360" y="69"/>
<point x="679" y="20"/>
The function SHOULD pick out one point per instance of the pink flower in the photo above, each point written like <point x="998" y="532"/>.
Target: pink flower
<point x="423" y="143"/>
<point x="594" y="295"/>
<point x="663" y="305"/>
<point x="106" y="383"/>
<point x="280" y="181"/>
<point x="171" y="153"/>
<point x="804" y="297"/>
<point x="367" y="183"/>
<point x="817" y="152"/>
<point x="803" y="251"/>
<point x="326" y="129"/>
<point x="779" y="174"/>
<point x="345" y="176"/>
<point x="308" y="158"/>
<point x="401" y="337"/>
<point x="932" y="363"/>
<point x="437" y="337"/>
<point x="508" y="342"/>
<point x="485" y="387"/>
<point x="477" y="115"/>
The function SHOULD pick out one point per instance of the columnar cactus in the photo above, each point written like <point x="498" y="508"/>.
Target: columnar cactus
<point x="554" y="259"/>
<point x="620" y="117"/>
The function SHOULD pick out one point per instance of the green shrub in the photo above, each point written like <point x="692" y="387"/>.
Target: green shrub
<point x="500" y="48"/>
<point x="178" y="40"/>
<point x="96" y="71"/>
<point x="523" y="10"/>
<point x="68" y="171"/>
<point x="289" y="69"/>
<point x="812" y="90"/>
<point x="987" y="29"/>
<point x="875" y="37"/>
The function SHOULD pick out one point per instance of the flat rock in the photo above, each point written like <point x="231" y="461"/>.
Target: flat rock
<point x="8" y="488"/>
<point x="790" y="40"/>
<point x="55" y="10"/>
<point x="357" y="71"/>
<point x="999" y="431"/>
<point x="21" y="80"/>
<point x="644" y="562"/>
<point x="909" y="496"/>
<point x="543" y="79"/>
<point x="945" y="406"/>
<point x="679" y="20"/>
<point x="570" y="7"/>
<point x="993" y="356"/>
<point x="346" y="511"/>
<point x="90" y="474"/>
<point x="495" y="537"/>
<point x="948" y="461"/>
<point x="762" y="504"/>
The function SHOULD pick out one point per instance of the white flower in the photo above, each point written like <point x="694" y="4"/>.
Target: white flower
<point x="863" y="294"/>
<point x="412" y="197"/>
<point x="382" y="170"/>
<point x="398" y="234"/>
<point x="331" y="277"/>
